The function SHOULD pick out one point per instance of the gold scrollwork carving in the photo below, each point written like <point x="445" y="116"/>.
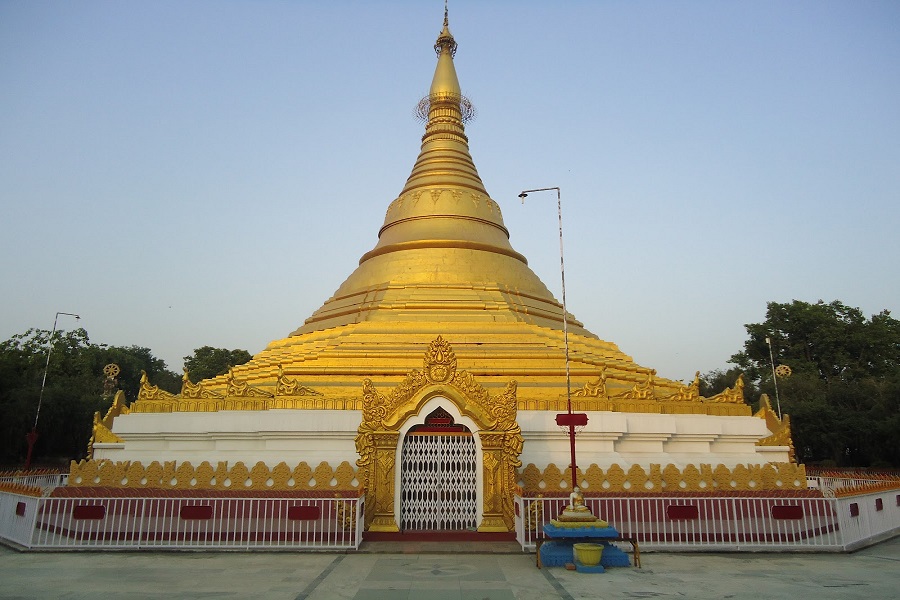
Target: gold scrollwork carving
<point x="641" y="390"/>
<point x="195" y="390"/>
<point x="732" y="395"/>
<point x="242" y="389"/>
<point x="152" y="393"/>
<point x="288" y="386"/>
<point x="440" y="362"/>
<point x="594" y="389"/>
<point x="688" y="393"/>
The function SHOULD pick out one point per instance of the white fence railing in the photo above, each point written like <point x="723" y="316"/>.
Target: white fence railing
<point x="182" y="523"/>
<point x="333" y="523"/>
<point x="868" y="518"/>
<point x="48" y="481"/>
<point x="730" y="523"/>
<point x="828" y="485"/>
<point x="17" y="513"/>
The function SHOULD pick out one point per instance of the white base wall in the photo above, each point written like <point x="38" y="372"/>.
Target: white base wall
<point x="644" y="439"/>
<point x="270" y="436"/>
<point x="313" y="436"/>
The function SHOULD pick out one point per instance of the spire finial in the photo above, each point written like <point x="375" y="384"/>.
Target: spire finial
<point x="445" y="39"/>
<point x="445" y="85"/>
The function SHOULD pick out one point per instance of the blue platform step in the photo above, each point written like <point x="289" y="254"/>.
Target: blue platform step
<point x="559" y="552"/>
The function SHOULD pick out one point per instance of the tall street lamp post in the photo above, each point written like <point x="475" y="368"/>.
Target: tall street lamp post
<point x="567" y="419"/>
<point x="774" y="375"/>
<point x="32" y="436"/>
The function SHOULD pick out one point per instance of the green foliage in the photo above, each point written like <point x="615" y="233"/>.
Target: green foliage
<point x="209" y="362"/>
<point x="74" y="389"/>
<point x="843" y="394"/>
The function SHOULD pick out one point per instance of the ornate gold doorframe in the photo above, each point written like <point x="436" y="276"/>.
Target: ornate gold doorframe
<point x="384" y="414"/>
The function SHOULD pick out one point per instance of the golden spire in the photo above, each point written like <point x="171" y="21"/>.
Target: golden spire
<point x="443" y="232"/>
<point x="444" y="203"/>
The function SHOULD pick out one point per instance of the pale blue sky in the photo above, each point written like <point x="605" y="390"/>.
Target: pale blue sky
<point x="193" y="173"/>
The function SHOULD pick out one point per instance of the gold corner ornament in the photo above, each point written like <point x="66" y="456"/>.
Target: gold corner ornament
<point x="780" y="427"/>
<point x="495" y="417"/>
<point x="101" y="432"/>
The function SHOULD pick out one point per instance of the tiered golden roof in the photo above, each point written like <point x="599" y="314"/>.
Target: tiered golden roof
<point x="443" y="266"/>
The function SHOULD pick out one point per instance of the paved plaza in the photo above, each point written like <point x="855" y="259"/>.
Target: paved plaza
<point x="424" y="571"/>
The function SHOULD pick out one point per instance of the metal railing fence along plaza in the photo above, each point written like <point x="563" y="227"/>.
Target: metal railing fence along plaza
<point x="226" y="523"/>
<point x="837" y="516"/>
<point x="730" y="523"/>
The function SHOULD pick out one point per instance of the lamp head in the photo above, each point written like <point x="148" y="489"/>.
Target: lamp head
<point x="523" y="195"/>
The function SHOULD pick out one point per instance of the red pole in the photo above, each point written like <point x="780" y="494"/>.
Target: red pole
<point x="572" y="449"/>
<point x="31" y="437"/>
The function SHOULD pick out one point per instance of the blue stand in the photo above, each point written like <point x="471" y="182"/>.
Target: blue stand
<point x="558" y="551"/>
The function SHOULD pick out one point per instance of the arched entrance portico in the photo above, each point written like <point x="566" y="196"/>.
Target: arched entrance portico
<point x="389" y="418"/>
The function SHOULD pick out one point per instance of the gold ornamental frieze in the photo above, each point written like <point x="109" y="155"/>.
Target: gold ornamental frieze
<point x="222" y="476"/>
<point x="455" y="197"/>
<point x="658" y="479"/>
<point x="645" y="393"/>
<point x="237" y="394"/>
<point x="495" y="417"/>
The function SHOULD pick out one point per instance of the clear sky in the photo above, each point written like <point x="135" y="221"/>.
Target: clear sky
<point x="207" y="173"/>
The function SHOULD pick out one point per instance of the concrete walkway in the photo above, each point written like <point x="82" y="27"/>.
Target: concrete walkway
<point x="428" y="571"/>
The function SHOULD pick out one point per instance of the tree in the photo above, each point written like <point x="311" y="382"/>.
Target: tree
<point x="844" y="389"/>
<point x="209" y="362"/>
<point x="831" y="341"/>
<point x="74" y="389"/>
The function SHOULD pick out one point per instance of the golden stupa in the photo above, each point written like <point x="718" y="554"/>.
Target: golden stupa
<point x="443" y="265"/>
<point x="443" y="283"/>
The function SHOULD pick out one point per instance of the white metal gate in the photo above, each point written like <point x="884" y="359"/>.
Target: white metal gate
<point x="438" y="481"/>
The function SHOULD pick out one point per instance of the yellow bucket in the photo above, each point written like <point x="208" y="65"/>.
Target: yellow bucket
<point x="588" y="554"/>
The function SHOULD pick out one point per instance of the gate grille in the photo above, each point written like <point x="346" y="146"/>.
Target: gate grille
<point x="438" y="481"/>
